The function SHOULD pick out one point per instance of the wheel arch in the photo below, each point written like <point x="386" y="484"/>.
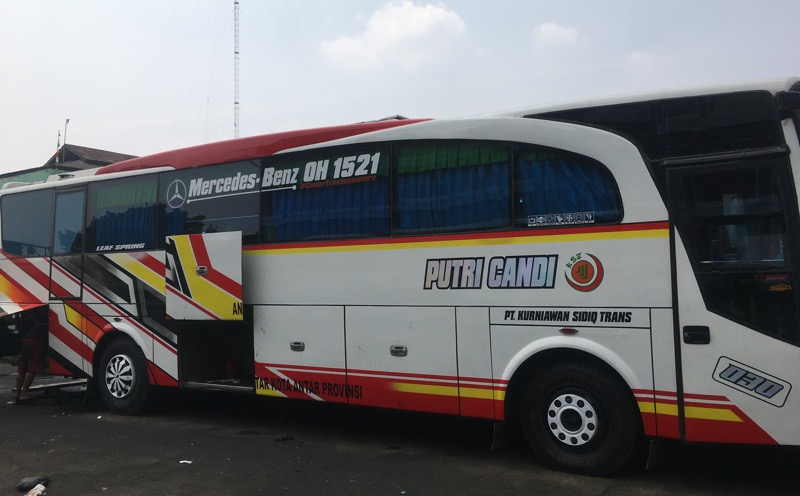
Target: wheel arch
<point x="546" y="353"/>
<point x="112" y="334"/>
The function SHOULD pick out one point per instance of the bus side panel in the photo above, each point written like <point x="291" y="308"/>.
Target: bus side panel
<point x="125" y="292"/>
<point x="609" y="318"/>
<point x="403" y="357"/>
<point x="664" y="421"/>
<point x="204" y="276"/>
<point x="299" y="352"/>
<point x="392" y="296"/>
<point x="71" y="351"/>
<point x="724" y="380"/>
<point x="625" y="349"/>
<point x="146" y="273"/>
<point x="479" y="395"/>
<point x="23" y="282"/>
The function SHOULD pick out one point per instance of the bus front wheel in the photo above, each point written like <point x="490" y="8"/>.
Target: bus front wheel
<point x="122" y="378"/>
<point x="580" y="419"/>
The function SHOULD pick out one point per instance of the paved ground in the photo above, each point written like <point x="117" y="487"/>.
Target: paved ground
<point x="225" y="444"/>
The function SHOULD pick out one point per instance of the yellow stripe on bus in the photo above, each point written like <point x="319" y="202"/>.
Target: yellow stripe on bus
<point x="464" y="392"/>
<point x="140" y="271"/>
<point x="658" y="408"/>
<point x="692" y="412"/>
<point x="211" y="297"/>
<point x="551" y="238"/>
<point x="404" y="387"/>
<point x="73" y="317"/>
<point x="82" y="324"/>
<point x="268" y="391"/>
<point x="723" y="414"/>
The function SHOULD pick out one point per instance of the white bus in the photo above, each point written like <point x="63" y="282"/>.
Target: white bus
<point x="597" y="273"/>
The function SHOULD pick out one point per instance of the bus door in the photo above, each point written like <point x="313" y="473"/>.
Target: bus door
<point x="204" y="276"/>
<point x="737" y="289"/>
<point x="66" y="280"/>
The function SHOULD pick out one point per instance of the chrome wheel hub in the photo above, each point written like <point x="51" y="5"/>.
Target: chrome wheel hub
<point x="572" y="419"/>
<point x="119" y="376"/>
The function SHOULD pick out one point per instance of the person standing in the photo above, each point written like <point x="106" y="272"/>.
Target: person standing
<point x="33" y="326"/>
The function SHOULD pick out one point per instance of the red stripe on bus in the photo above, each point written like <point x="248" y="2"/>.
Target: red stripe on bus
<point x="59" y="291"/>
<point x="251" y="147"/>
<point x="716" y="431"/>
<point x="150" y="262"/>
<point x="31" y="270"/>
<point x="71" y="341"/>
<point x="214" y="276"/>
<point x="25" y="296"/>
<point x="405" y="376"/>
<point x="380" y="389"/>
<point x="453" y="381"/>
<point x="705" y="397"/>
<point x="651" y="392"/>
<point x="191" y="302"/>
<point x="102" y="321"/>
<point x="58" y="369"/>
<point x="440" y="238"/>
<point x="158" y="377"/>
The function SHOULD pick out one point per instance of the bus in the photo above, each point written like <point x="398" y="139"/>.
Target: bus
<point x="597" y="274"/>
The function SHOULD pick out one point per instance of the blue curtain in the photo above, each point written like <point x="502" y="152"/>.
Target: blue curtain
<point x="345" y="211"/>
<point x="173" y="222"/>
<point x="549" y="183"/>
<point x="452" y="186"/>
<point x="128" y="226"/>
<point x="441" y="187"/>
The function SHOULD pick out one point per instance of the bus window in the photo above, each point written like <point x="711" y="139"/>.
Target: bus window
<point x="121" y="214"/>
<point x="220" y="198"/>
<point x="27" y="223"/>
<point x="733" y="221"/>
<point x="687" y="126"/>
<point x="557" y="188"/>
<point x="336" y="193"/>
<point x="451" y="186"/>
<point x="68" y="232"/>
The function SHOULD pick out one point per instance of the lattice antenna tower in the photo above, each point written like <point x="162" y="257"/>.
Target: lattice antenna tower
<point x="236" y="68"/>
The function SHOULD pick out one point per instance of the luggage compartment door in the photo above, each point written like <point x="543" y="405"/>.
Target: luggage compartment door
<point x="204" y="276"/>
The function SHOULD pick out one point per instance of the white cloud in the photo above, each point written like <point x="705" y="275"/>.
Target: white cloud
<point x="405" y="34"/>
<point x="551" y="32"/>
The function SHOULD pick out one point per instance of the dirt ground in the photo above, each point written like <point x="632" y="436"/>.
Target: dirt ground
<point x="225" y="444"/>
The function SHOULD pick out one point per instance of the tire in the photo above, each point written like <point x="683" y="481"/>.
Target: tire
<point x="122" y="378"/>
<point x="580" y="419"/>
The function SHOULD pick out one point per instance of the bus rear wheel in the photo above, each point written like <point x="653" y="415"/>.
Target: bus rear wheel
<point x="122" y="378"/>
<point x="580" y="419"/>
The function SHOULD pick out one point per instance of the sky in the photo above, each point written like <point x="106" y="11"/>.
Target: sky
<point x="145" y="76"/>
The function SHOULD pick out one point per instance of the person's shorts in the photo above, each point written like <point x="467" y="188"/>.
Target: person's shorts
<point x="31" y="356"/>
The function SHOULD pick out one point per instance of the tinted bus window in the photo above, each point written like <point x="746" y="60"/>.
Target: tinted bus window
<point x="68" y="232"/>
<point x="334" y="193"/>
<point x="121" y="214"/>
<point x="733" y="222"/>
<point x="688" y="126"/>
<point x="27" y="223"/>
<point x="441" y="186"/>
<point x="220" y="198"/>
<point x="557" y="188"/>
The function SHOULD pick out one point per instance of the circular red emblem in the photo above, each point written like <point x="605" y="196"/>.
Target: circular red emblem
<point x="586" y="274"/>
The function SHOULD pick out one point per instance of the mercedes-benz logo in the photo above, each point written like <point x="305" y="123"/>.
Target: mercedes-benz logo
<point x="176" y="194"/>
